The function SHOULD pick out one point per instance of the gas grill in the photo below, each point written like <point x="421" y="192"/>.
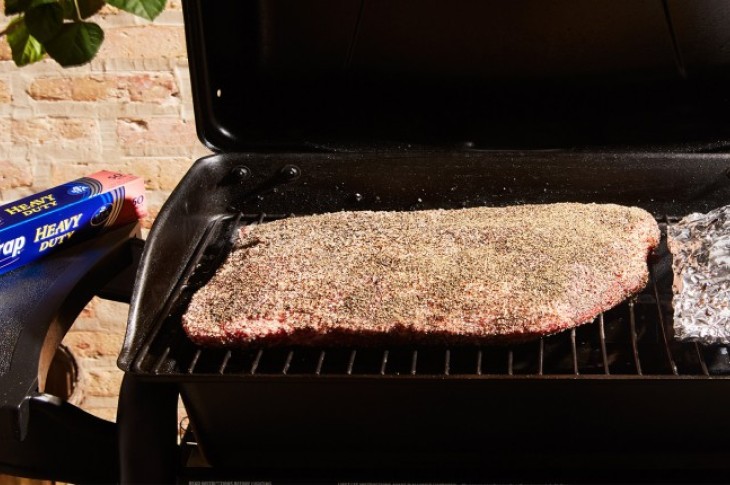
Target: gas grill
<point x="378" y="105"/>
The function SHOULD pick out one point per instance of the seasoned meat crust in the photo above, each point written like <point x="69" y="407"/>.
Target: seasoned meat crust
<point x="467" y="276"/>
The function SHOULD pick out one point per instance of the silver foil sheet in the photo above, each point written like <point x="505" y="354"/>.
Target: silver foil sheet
<point x="700" y="244"/>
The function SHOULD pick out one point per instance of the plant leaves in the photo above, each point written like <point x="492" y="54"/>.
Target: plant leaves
<point x="87" y="8"/>
<point x="76" y="43"/>
<point x="45" y="20"/>
<point x="69" y="9"/>
<point x="26" y="49"/>
<point x="15" y="6"/>
<point x="37" y="3"/>
<point x="148" y="9"/>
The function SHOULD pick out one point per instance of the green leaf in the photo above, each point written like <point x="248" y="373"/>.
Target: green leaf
<point x="69" y="11"/>
<point x="26" y="49"/>
<point x="15" y="6"/>
<point x="44" y="21"/>
<point x="38" y="3"/>
<point x="87" y="8"/>
<point x="148" y="9"/>
<point x="76" y="43"/>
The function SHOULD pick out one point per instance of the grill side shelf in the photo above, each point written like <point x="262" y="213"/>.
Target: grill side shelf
<point x="633" y="340"/>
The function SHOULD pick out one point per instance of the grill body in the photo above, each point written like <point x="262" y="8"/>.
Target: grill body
<point x="610" y="395"/>
<point x="414" y="105"/>
<point x="460" y="428"/>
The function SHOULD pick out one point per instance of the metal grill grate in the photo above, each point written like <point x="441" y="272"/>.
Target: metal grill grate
<point x="634" y="339"/>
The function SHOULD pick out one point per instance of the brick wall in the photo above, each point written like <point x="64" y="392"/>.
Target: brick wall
<point x="128" y="110"/>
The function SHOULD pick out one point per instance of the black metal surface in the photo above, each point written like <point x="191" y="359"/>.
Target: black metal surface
<point x="147" y="420"/>
<point x="350" y="425"/>
<point x="674" y="473"/>
<point x="119" y="288"/>
<point x="353" y="75"/>
<point x="63" y="443"/>
<point x="39" y="303"/>
<point x="40" y="436"/>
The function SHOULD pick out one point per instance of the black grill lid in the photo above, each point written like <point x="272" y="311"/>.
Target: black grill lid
<point x="527" y="74"/>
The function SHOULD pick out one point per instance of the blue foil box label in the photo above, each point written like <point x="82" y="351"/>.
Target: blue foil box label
<point x="40" y="224"/>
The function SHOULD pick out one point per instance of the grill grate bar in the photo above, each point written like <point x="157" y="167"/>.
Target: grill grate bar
<point x="384" y="363"/>
<point x="194" y="362"/>
<point x="541" y="357"/>
<point x="224" y="363"/>
<point x="510" y="362"/>
<point x="256" y="361"/>
<point x="351" y="362"/>
<point x="447" y="362"/>
<point x="161" y="360"/>
<point x="414" y="362"/>
<point x="701" y="359"/>
<point x="320" y="363"/>
<point x="287" y="363"/>
<point x="479" y="362"/>
<point x="662" y="328"/>
<point x="574" y="351"/>
<point x="634" y="339"/>
<point x="602" y="338"/>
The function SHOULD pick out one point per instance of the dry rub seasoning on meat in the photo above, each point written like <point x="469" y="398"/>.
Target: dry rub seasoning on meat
<point x="439" y="276"/>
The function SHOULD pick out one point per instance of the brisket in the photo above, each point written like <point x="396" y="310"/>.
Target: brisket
<point x="467" y="276"/>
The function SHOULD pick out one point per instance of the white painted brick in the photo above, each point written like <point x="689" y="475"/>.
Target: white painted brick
<point x="134" y="65"/>
<point x="169" y="17"/>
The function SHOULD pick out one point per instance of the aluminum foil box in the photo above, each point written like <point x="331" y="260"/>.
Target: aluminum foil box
<point x="40" y="224"/>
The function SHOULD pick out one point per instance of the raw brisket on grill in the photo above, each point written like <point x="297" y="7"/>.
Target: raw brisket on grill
<point x="465" y="276"/>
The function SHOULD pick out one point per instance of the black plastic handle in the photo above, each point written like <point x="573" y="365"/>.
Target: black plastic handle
<point x="41" y="436"/>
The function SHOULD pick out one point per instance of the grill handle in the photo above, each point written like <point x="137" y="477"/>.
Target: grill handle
<point x="42" y="436"/>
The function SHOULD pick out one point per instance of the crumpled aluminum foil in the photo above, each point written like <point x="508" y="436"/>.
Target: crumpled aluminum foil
<point x="700" y="244"/>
